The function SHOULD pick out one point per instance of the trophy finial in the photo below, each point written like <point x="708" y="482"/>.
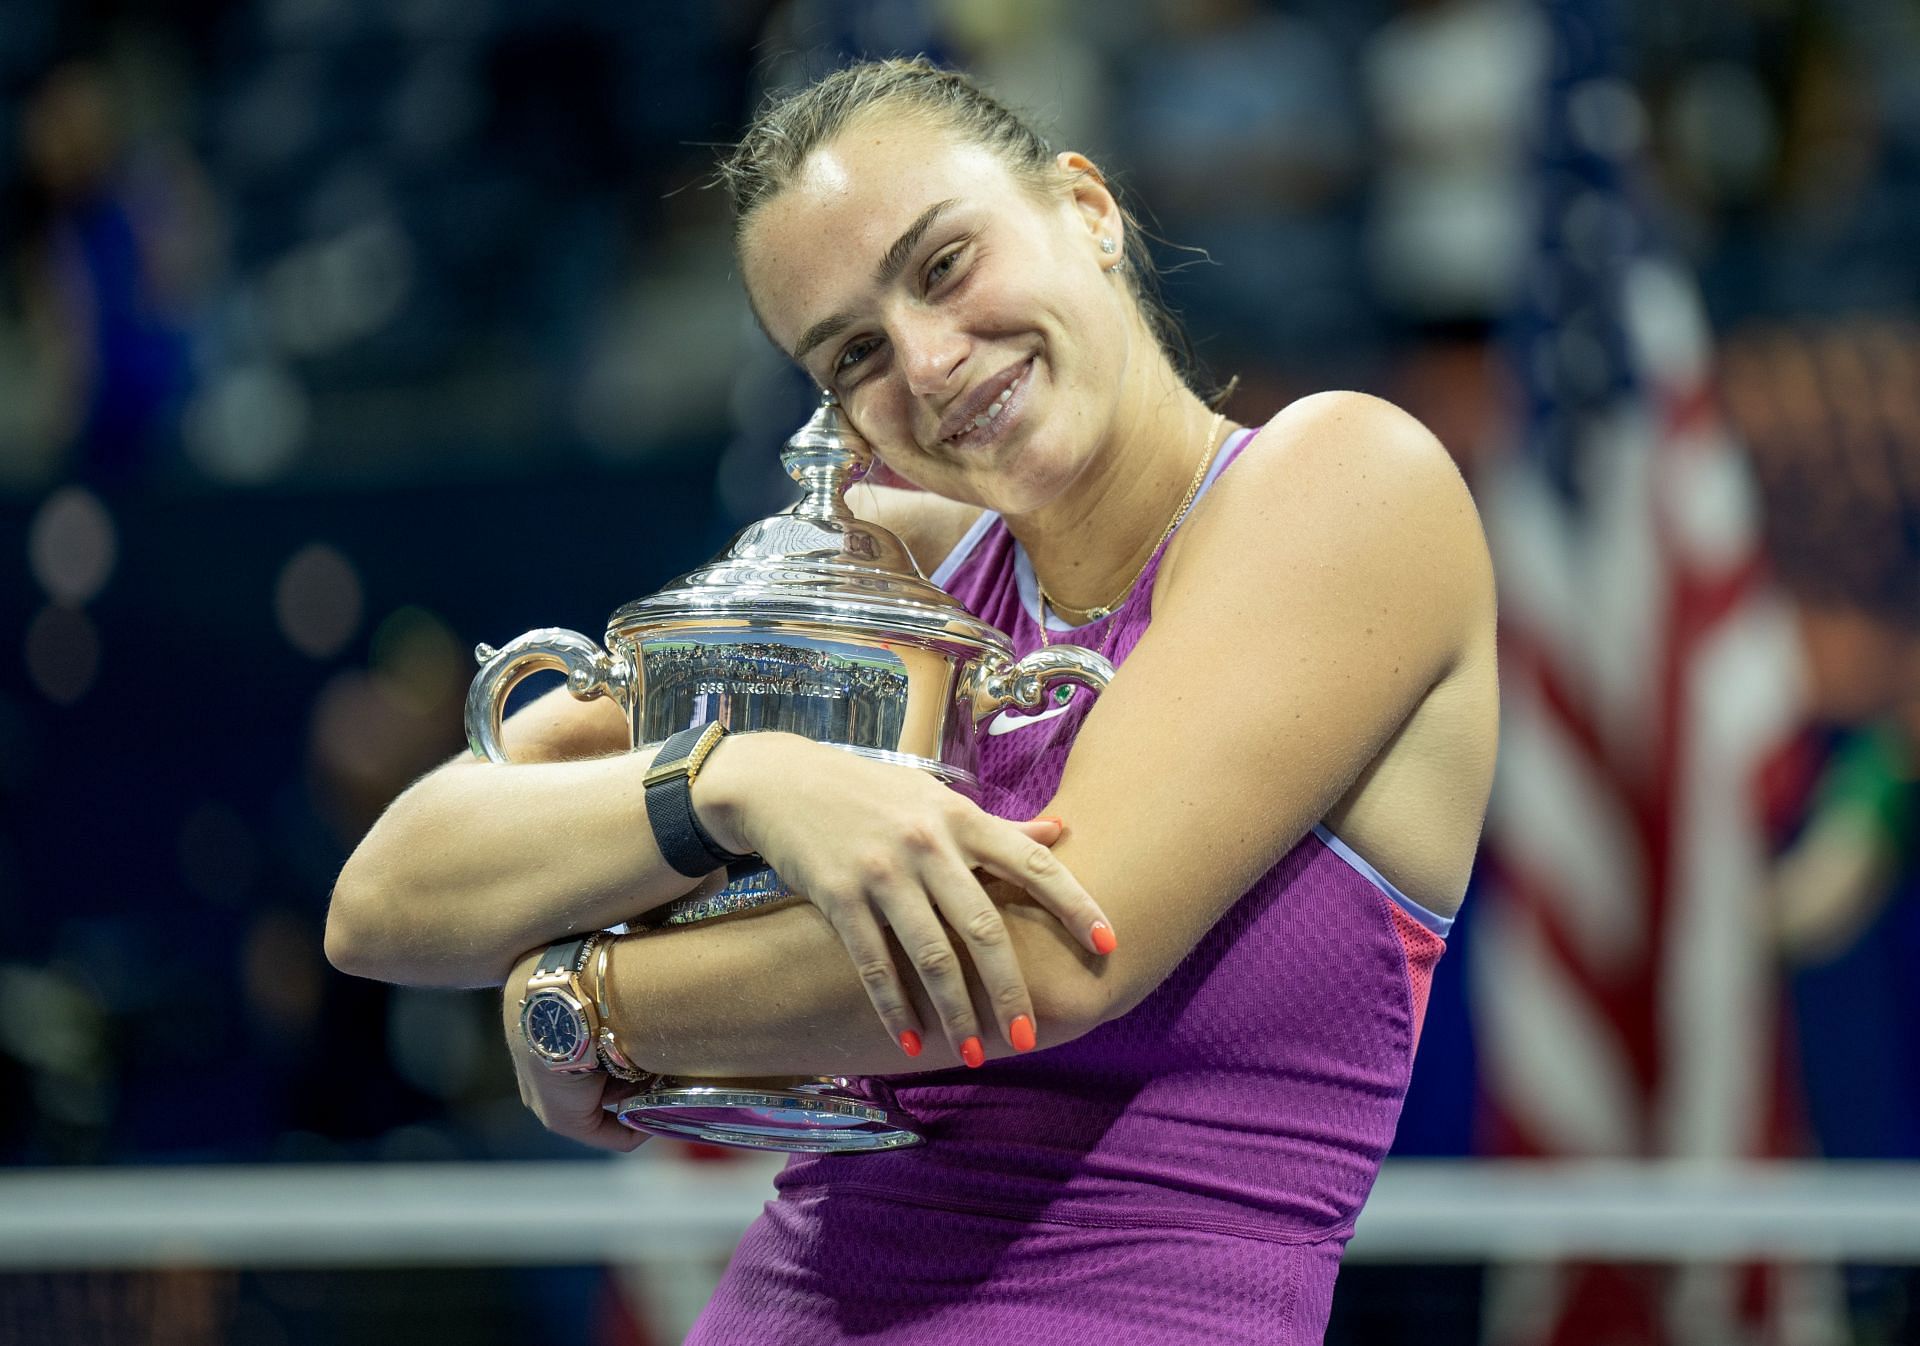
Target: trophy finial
<point x="826" y="457"/>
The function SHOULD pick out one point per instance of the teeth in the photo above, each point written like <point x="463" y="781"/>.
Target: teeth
<point x="992" y="412"/>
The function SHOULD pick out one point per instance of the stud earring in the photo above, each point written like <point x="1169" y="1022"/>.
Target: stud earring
<point x="1108" y="247"/>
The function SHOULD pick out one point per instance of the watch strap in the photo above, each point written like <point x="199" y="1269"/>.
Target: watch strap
<point x="564" y="955"/>
<point x="683" y="842"/>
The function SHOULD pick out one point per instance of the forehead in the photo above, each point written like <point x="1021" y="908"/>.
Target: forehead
<point x="811" y="250"/>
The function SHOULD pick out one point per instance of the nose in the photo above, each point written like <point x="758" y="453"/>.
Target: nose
<point x="930" y="350"/>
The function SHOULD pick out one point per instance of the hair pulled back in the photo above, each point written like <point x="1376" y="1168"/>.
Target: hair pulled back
<point x="790" y="127"/>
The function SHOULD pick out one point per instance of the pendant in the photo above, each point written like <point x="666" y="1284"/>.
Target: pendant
<point x="1095" y="614"/>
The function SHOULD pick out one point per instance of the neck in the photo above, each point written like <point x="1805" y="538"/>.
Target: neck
<point x="1087" y="544"/>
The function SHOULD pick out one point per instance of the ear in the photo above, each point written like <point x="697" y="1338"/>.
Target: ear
<point x="1087" y="191"/>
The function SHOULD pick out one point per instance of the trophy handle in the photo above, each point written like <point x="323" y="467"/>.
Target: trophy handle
<point x="590" y="671"/>
<point x="1024" y="686"/>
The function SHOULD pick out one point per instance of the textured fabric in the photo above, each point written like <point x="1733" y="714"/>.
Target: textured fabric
<point x="1189" y="1171"/>
<point x="1423" y="949"/>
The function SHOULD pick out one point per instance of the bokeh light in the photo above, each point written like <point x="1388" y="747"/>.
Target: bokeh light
<point x="281" y="968"/>
<point x="62" y="653"/>
<point x="248" y="425"/>
<point x="71" y="546"/>
<point x="324" y="295"/>
<point x="439" y="1042"/>
<point x="317" y="601"/>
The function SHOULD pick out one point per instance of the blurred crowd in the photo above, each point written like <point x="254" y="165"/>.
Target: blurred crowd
<point x="336" y="336"/>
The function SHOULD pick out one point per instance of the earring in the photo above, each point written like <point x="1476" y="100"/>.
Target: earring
<point x="1108" y="246"/>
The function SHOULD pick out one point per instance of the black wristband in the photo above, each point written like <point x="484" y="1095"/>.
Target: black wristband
<point x="683" y="842"/>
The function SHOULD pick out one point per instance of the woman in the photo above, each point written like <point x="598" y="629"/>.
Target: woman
<point x="1303" y="616"/>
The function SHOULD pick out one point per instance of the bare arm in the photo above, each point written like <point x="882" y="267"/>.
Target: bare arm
<point x="772" y="992"/>
<point x="475" y="862"/>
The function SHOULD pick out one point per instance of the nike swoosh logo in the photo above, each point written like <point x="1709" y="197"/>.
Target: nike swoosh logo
<point x="1009" y="720"/>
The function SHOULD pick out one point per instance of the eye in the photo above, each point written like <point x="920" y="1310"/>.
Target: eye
<point x="855" y="352"/>
<point x="942" y="267"/>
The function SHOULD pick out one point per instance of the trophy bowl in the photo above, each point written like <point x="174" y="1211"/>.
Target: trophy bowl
<point x="811" y="622"/>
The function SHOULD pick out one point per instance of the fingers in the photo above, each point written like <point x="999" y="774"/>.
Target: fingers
<point x="1046" y="829"/>
<point x="866" y="942"/>
<point x="975" y="917"/>
<point x="608" y="1134"/>
<point x="575" y="1107"/>
<point x="925" y="942"/>
<point x="1007" y="851"/>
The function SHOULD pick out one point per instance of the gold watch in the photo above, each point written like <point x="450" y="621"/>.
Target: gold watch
<point x="559" y="1019"/>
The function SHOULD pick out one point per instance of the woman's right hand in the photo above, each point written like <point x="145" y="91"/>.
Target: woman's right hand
<point x="871" y="842"/>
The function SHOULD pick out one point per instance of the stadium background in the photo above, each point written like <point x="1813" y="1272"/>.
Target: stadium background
<point x="337" y="336"/>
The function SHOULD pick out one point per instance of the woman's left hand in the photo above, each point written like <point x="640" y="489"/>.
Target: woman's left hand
<point x="573" y="1106"/>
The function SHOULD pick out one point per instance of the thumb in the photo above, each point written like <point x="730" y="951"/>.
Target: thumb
<point x="1046" y="829"/>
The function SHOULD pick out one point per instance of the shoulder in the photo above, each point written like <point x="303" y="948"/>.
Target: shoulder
<point x="1353" y="442"/>
<point x="1351" y="496"/>
<point x="931" y="525"/>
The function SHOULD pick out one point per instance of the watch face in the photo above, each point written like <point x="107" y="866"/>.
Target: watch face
<point x="555" y="1027"/>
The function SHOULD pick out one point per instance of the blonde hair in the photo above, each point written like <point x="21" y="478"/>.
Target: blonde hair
<point x="789" y="128"/>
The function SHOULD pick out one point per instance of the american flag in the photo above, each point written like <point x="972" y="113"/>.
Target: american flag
<point x="1625" y="998"/>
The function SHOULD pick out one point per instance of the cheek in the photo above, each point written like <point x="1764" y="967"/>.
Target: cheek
<point x="881" y="414"/>
<point x="878" y="412"/>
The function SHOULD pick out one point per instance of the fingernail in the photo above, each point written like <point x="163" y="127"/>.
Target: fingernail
<point x="910" y="1042"/>
<point x="1053" y="818"/>
<point x="1103" y="940"/>
<point x="972" y="1054"/>
<point x="1020" y="1033"/>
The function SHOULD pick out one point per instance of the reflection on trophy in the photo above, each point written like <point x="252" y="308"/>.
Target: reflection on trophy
<point x="812" y="622"/>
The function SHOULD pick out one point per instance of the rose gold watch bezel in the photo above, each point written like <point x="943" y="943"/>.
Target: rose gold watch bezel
<point x="584" y="1058"/>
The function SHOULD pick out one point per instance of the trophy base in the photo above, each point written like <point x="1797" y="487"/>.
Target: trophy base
<point x="816" y="1116"/>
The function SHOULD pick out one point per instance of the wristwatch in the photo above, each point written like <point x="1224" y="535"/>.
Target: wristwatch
<point x="683" y="843"/>
<point x="558" y="1017"/>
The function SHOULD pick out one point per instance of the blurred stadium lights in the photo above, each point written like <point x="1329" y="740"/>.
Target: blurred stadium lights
<point x="317" y="601"/>
<point x="62" y="653"/>
<point x="323" y="295"/>
<point x="248" y="425"/>
<point x="71" y="546"/>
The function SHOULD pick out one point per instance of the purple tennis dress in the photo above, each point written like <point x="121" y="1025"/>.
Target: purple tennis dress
<point x="1188" y="1172"/>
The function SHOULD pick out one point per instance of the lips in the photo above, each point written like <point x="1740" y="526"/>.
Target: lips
<point x="973" y="418"/>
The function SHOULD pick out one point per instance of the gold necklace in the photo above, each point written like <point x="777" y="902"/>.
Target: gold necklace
<point x="1094" y="614"/>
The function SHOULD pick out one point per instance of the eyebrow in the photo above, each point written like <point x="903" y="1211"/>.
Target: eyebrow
<point x="883" y="275"/>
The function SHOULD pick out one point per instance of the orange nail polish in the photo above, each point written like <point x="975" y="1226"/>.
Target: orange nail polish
<point x="1020" y="1033"/>
<point x="971" y="1053"/>
<point x="1103" y="940"/>
<point x="910" y="1042"/>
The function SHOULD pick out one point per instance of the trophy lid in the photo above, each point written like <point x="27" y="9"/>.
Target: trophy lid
<point x="816" y="562"/>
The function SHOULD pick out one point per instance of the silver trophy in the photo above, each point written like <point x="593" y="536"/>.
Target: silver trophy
<point x="812" y="622"/>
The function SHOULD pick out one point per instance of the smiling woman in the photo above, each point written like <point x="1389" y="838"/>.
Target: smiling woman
<point x="1207" y="948"/>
